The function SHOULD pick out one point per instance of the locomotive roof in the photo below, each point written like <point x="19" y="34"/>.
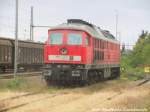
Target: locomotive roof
<point x="93" y="30"/>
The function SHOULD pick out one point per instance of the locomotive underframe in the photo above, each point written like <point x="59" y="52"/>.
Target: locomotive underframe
<point x="60" y="73"/>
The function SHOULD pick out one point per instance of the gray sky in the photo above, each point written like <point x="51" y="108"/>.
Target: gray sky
<point x="134" y="16"/>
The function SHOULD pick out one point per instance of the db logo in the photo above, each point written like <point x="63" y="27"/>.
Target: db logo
<point x="63" y="51"/>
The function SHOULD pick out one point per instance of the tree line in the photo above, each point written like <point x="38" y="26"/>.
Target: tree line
<point x="140" y="55"/>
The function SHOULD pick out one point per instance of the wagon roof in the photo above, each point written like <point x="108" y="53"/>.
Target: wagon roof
<point x="21" y="43"/>
<point x="4" y="41"/>
<point x="93" y="31"/>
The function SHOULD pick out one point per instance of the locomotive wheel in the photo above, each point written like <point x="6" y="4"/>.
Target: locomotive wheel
<point x="96" y="76"/>
<point x="90" y="78"/>
<point x="85" y="78"/>
<point x="118" y="73"/>
<point x="115" y="73"/>
<point x="101" y="73"/>
<point x="49" y="81"/>
<point x="1" y="70"/>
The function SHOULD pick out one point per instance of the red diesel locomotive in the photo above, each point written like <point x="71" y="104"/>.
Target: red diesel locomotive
<point x="78" y="51"/>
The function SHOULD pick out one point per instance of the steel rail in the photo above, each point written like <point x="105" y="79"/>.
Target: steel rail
<point x="22" y="74"/>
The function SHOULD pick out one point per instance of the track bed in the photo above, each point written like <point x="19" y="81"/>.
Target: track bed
<point x="110" y="94"/>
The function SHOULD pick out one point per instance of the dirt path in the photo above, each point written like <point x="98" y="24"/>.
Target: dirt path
<point x="95" y="98"/>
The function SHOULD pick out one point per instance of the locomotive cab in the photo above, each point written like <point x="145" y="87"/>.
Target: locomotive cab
<point x="67" y="46"/>
<point x="66" y="52"/>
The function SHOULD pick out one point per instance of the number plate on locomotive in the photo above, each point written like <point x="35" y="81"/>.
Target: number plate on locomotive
<point x="59" y="57"/>
<point x="64" y="58"/>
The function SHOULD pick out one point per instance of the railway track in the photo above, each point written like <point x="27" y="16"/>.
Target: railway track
<point x="24" y="103"/>
<point x="22" y="74"/>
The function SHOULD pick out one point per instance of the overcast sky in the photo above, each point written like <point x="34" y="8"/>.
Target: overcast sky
<point x="133" y="16"/>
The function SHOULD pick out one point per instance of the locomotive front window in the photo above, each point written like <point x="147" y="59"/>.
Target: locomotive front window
<point x="74" y="39"/>
<point x="56" y="38"/>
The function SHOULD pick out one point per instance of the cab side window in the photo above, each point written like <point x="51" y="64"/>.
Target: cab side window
<point x="86" y="41"/>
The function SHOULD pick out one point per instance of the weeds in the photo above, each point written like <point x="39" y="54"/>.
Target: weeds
<point x="133" y="74"/>
<point x="15" y="83"/>
<point x="26" y="84"/>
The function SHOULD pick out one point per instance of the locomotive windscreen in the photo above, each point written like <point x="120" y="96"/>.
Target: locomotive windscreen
<point x="74" y="39"/>
<point x="56" y="38"/>
<point x="63" y="37"/>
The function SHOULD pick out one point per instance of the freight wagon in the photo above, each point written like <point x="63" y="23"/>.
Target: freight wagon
<point x="30" y="55"/>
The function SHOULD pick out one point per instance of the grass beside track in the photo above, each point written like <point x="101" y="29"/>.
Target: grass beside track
<point x="35" y="83"/>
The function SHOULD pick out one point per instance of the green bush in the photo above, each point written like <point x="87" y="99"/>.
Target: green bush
<point x="132" y="62"/>
<point x="133" y="74"/>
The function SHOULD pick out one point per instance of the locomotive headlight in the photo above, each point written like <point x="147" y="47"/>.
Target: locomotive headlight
<point x="76" y="73"/>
